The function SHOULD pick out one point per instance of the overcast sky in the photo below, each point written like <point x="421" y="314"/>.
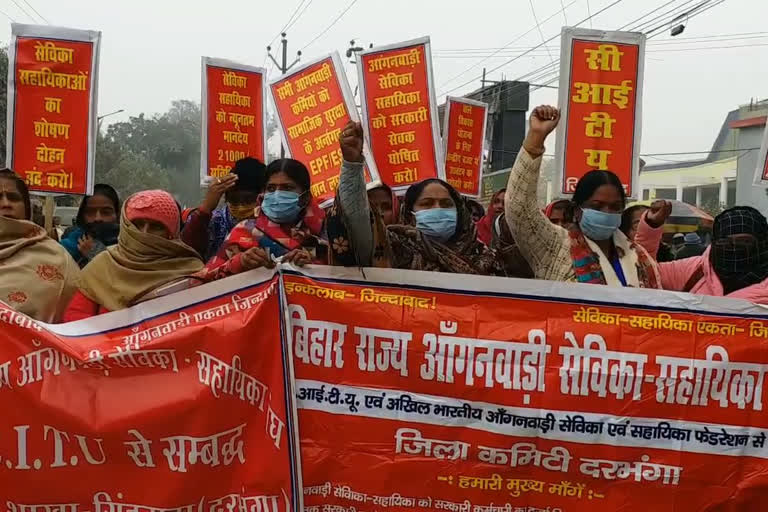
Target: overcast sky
<point x="151" y="49"/>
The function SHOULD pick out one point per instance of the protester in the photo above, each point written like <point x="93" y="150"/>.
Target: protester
<point x="148" y="255"/>
<point x="630" y="220"/>
<point x="380" y="196"/>
<point x="476" y="210"/>
<point x="591" y="250"/>
<point x="96" y="225"/>
<point x="289" y="224"/>
<point x="485" y="225"/>
<point x="505" y="246"/>
<point x="560" y="212"/>
<point x="735" y="265"/>
<point x="678" y="240"/>
<point x="692" y="246"/>
<point x="38" y="276"/>
<point x="206" y="227"/>
<point x="435" y="233"/>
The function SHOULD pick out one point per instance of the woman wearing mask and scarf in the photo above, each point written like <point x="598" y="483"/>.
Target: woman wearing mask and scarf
<point x="37" y="276"/>
<point x="436" y="232"/>
<point x="206" y="227"/>
<point x="148" y="255"/>
<point x="592" y="250"/>
<point x="96" y="225"/>
<point x="735" y="265"/>
<point x="485" y="225"/>
<point x="289" y="224"/>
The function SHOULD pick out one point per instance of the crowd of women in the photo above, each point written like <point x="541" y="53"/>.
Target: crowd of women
<point x="117" y="255"/>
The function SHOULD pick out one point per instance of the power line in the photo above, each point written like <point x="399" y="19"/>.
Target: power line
<point x="565" y="16"/>
<point x="341" y="15"/>
<point x="470" y="68"/>
<point x="22" y="9"/>
<point x="6" y="15"/>
<point x="291" y="24"/>
<point x="288" y="23"/>
<point x="615" y="2"/>
<point x="37" y="12"/>
<point x="589" y="13"/>
<point x="538" y="26"/>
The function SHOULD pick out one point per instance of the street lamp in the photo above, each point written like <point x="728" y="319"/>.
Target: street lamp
<point x="98" y="119"/>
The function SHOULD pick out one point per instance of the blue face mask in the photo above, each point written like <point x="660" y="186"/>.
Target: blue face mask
<point x="281" y="206"/>
<point x="597" y="225"/>
<point x="437" y="223"/>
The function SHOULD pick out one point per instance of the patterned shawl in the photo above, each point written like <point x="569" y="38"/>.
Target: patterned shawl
<point x="38" y="275"/>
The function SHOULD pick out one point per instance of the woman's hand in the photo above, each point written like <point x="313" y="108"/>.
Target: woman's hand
<point x="255" y="257"/>
<point x="659" y="213"/>
<point x="298" y="257"/>
<point x="84" y="245"/>
<point x="351" y="142"/>
<point x="543" y="121"/>
<point x="216" y="189"/>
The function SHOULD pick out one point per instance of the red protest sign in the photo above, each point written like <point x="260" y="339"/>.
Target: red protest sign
<point x="234" y="116"/>
<point x="52" y="107"/>
<point x="761" y="172"/>
<point x="473" y="393"/>
<point x="464" y="143"/>
<point x="139" y="410"/>
<point x="400" y="112"/>
<point x="313" y="104"/>
<point x="601" y="125"/>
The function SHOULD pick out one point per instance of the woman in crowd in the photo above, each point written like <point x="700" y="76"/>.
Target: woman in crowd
<point x="476" y="210"/>
<point x="148" y="255"/>
<point x="560" y="212"/>
<point x="593" y="249"/>
<point x="485" y="225"/>
<point x="206" y="227"/>
<point x="630" y="220"/>
<point x="381" y="197"/>
<point x="436" y="232"/>
<point x="38" y="276"/>
<point x="735" y="265"/>
<point x="289" y="224"/>
<point x="96" y="226"/>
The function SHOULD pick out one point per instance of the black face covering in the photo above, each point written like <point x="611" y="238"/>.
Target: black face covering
<point x="104" y="232"/>
<point x="740" y="263"/>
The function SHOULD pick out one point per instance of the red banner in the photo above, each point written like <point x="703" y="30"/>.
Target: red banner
<point x="52" y="107"/>
<point x="761" y="172"/>
<point x="234" y="116"/>
<point x="475" y="394"/>
<point x="400" y="113"/>
<point x="313" y="105"/>
<point x="464" y="141"/>
<point x="186" y="410"/>
<point x="602" y="72"/>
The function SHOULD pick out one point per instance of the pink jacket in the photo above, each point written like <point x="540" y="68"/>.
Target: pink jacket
<point x="675" y="275"/>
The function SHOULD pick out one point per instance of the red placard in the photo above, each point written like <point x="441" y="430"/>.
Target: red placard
<point x="52" y="98"/>
<point x="234" y="116"/>
<point x="761" y="172"/>
<point x="463" y="393"/>
<point x="313" y="105"/>
<point x="399" y="112"/>
<point x="464" y="139"/>
<point x="601" y="110"/>
<point x="173" y="405"/>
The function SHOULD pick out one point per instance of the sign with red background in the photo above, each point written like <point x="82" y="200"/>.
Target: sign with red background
<point x="234" y="116"/>
<point x="313" y="105"/>
<point x="761" y="172"/>
<point x="458" y="395"/>
<point x="52" y="102"/>
<point x="464" y="140"/>
<point x="185" y="409"/>
<point x="600" y="125"/>
<point x="400" y="113"/>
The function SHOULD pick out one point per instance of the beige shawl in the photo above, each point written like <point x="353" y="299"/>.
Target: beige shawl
<point x="39" y="277"/>
<point x="139" y="263"/>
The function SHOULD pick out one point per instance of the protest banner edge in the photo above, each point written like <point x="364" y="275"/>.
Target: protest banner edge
<point x="435" y="122"/>
<point x="446" y="119"/>
<point x="761" y="179"/>
<point x="567" y="36"/>
<point x="225" y="63"/>
<point x="63" y="33"/>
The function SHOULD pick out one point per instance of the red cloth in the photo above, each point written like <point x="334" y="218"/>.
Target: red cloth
<point x="81" y="307"/>
<point x="485" y="229"/>
<point x="195" y="232"/>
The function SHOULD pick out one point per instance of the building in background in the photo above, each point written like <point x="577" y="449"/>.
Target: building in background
<point x="724" y="176"/>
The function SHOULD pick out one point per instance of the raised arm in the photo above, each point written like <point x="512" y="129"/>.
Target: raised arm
<point x="537" y="238"/>
<point x="352" y="195"/>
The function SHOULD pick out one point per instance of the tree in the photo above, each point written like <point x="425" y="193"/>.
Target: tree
<point x="126" y="170"/>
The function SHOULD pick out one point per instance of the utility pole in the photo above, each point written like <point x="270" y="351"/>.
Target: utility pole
<point x="352" y="54"/>
<point x="283" y="67"/>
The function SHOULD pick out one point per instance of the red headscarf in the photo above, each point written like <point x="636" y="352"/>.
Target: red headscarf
<point x="485" y="225"/>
